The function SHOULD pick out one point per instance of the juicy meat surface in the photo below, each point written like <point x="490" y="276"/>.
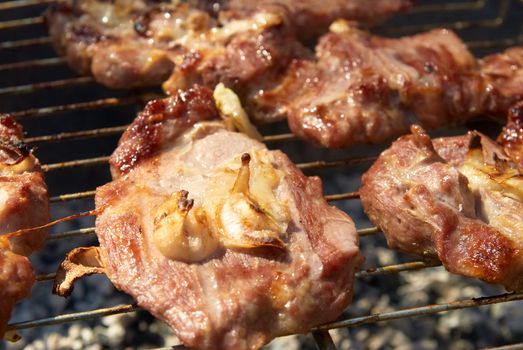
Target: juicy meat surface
<point x="124" y="44"/>
<point x="16" y="280"/>
<point x="139" y="43"/>
<point x="252" y="285"/>
<point x="512" y="135"/>
<point x="250" y="61"/>
<point x="503" y="73"/>
<point x="23" y="204"/>
<point x="245" y="45"/>
<point x="23" y="192"/>
<point x="313" y="17"/>
<point x="456" y="199"/>
<point x="366" y="89"/>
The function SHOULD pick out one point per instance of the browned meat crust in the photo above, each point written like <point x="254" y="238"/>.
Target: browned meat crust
<point x="139" y="44"/>
<point x="23" y="204"/>
<point x="147" y="133"/>
<point x="122" y="46"/>
<point x="503" y="73"/>
<point x="236" y="298"/>
<point x="452" y="200"/>
<point x="249" y="62"/>
<point x="247" y="45"/>
<point x="23" y="192"/>
<point x="512" y="136"/>
<point x="366" y="89"/>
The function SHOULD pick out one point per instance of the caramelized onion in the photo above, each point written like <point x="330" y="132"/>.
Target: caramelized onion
<point x="181" y="233"/>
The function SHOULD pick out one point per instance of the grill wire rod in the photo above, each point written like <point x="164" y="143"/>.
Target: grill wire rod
<point x="375" y="271"/>
<point x="362" y="232"/>
<point x="352" y="322"/>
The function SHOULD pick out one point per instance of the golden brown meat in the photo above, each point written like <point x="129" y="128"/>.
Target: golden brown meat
<point x="512" y="136"/>
<point x="362" y="88"/>
<point x="456" y="199"/>
<point x="138" y="43"/>
<point x="224" y="240"/>
<point x="312" y="18"/>
<point x="130" y="43"/>
<point x="249" y="54"/>
<point x="23" y="204"/>
<point x="16" y="280"/>
<point x="123" y="44"/>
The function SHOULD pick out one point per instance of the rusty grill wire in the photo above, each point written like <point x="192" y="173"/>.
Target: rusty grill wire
<point x="320" y="333"/>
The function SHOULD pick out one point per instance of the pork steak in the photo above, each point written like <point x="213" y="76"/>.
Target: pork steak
<point x="224" y="240"/>
<point x="456" y="199"/>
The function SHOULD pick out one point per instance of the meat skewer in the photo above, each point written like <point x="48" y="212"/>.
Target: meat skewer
<point x="456" y="199"/>
<point x="224" y="240"/>
<point x="24" y="204"/>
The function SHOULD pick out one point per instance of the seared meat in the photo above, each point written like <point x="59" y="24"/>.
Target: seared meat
<point x="16" y="280"/>
<point x="456" y="199"/>
<point x="366" y="89"/>
<point x="503" y="73"/>
<point x="313" y="17"/>
<point x="23" y="193"/>
<point x="123" y="44"/>
<point x="227" y="242"/>
<point x="135" y="43"/>
<point x="512" y="136"/>
<point x="249" y="54"/>
<point x="23" y="204"/>
<point x="247" y="46"/>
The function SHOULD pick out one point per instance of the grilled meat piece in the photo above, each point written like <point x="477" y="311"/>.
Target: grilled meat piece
<point x="512" y="136"/>
<point x="250" y="54"/>
<point x="227" y="242"/>
<point x="23" y="204"/>
<point x="23" y="192"/>
<point x="456" y="199"/>
<point x="503" y="73"/>
<point x="366" y="89"/>
<point x="135" y="43"/>
<point x="313" y="17"/>
<point x="132" y="43"/>
<point x="16" y="280"/>
<point x="123" y="44"/>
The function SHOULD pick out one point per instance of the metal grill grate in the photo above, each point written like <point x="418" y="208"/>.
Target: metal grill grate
<point x="74" y="110"/>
